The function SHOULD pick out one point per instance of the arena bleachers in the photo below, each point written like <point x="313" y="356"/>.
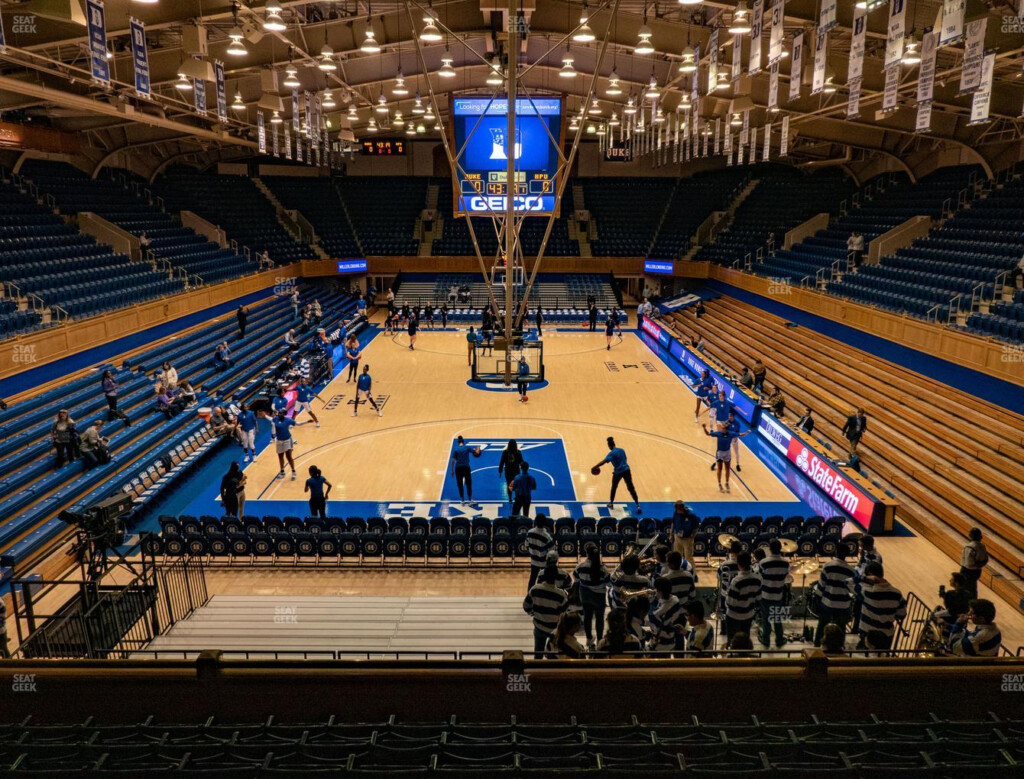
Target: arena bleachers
<point x="41" y="255"/>
<point x="627" y="212"/>
<point x="318" y="200"/>
<point x="237" y="206"/>
<point x="953" y="460"/>
<point x="555" y="293"/>
<point x="34" y="491"/>
<point x="693" y="200"/>
<point x="384" y="210"/>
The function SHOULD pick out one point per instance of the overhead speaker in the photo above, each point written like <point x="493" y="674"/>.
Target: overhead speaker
<point x="200" y="69"/>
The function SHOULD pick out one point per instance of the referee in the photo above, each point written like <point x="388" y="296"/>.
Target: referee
<point x="620" y="472"/>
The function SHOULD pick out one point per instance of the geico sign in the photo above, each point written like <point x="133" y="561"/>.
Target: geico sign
<point x="497" y="203"/>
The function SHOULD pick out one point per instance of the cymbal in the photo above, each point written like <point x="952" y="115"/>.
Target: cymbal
<point x="715" y="564"/>
<point x="726" y="539"/>
<point x="789" y="546"/>
<point x="809" y="566"/>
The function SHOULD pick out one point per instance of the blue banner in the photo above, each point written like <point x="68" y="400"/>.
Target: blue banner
<point x="199" y="88"/>
<point x="351" y="266"/>
<point x="96" y="21"/>
<point x="140" y="58"/>
<point x="222" y="95"/>
<point x="287" y="142"/>
<point x="296" y="127"/>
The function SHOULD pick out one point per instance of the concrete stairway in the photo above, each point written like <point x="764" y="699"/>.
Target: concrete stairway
<point x="363" y="624"/>
<point x="725" y="220"/>
<point x="294" y="222"/>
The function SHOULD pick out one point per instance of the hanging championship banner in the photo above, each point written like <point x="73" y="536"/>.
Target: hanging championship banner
<point x="854" y="77"/>
<point x="97" y="27"/>
<point x="827" y="17"/>
<point x="753" y="146"/>
<point x="773" y="87"/>
<point x="766" y="155"/>
<point x="314" y="125"/>
<point x="890" y="98"/>
<point x="739" y="154"/>
<point x="796" y="72"/>
<point x="694" y="86"/>
<point x="784" y="139"/>
<point x="140" y="57"/>
<point x="3" y="43"/>
<point x="222" y="94"/>
<point x="287" y="142"/>
<point x="756" y="21"/>
<point x="706" y="139"/>
<point x="712" y="60"/>
<point x="896" y="34"/>
<point x="926" y="73"/>
<point x="295" y="115"/>
<point x="983" y="97"/>
<point x="298" y="147"/>
<point x="728" y="150"/>
<point x="820" y="61"/>
<point x="745" y="129"/>
<point x="777" y="33"/>
<point x="952" y="21"/>
<point x="199" y="92"/>
<point x="261" y="133"/>
<point x="273" y="141"/>
<point x="306" y="128"/>
<point x="718" y="137"/>
<point x="727" y="141"/>
<point x="737" y="57"/>
<point x="924" y="118"/>
<point x="974" y="55"/>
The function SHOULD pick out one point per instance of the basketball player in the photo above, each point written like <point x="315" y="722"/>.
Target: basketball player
<point x="524" y="384"/>
<point x="363" y="388"/>
<point x="523" y="486"/>
<point x="705" y="385"/>
<point x="460" y="468"/>
<point x="413" y="326"/>
<point x="723" y="453"/>
<point x="248" y="426"/>
<point x="304" y="400"/>
<point x="609" y="328"/>
<point x="352" y="354"/>
<point x="282" y="435"/>
<point x="444" y="316"/>
<point x="620" y="472"/>
<point x="428" y="315"/>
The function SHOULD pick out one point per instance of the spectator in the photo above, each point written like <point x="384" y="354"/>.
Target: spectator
<point x="747" y="378"/>
<point x="318" y="311"/>
<point x="232" y="491"/>
<point x="776" y="402"/>
<point x="773" y="569"/>
<point x="222" y="357"/>
<point x="973" y="560"/>
<point x="319" y="490"/>
<point x="64" y="437"/>
<point x="144" y="242"/>
<point x="539" y="542"/>
<point x="243" y="320"/>
<point x="806" y="422"/>
<point x="956" y="600"/>
<point x="680" y="575"/>
<point x="985" y="639"/>
<point x="291" y="341"/>
<point x="854" y="428"/>
<point x="833" y="641"/>
<point x="645" y="309"/>
<point x="593" y="579"/>
<point x="699" y="309"/>
<point x="836" y="583"/>
<point x="110" y="390"/>
<point x="166" y="402"/>
<point x="563" y="642"/>
<point x="882" y="606"/>
<point x="295" y="302"/>
<point x="361" y="306"/>
<point x="741" y="645"/>
<point x="94" y="446"/>
<point x="265" y="260"/>
<point x="666" y="618"/>
<point x="760" y="372"/>
<point x="742" y="598"/>
<point x="470" y="345"/>
<point x="186" y="392"/>
<point x="684" y="530"/>
<point x="698" y="343"/>
<point x="168" y="375"/>
<point x="546" y="602"/>
<point x="223" y="425"/>
<point x="618" y="640"/>
<point x="638" y="607"/>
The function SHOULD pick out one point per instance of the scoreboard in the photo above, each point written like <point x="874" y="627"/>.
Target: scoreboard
<point x="479" y="128"/>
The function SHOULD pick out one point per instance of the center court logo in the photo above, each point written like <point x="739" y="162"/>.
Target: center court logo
<point x="498" y="446"/>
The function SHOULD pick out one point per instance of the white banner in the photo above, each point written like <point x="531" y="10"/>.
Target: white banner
<point x="926" y="73"/>
<point x="222" y="95"/>
<point x="982" y="98"/>
<point x="712" y="60"/>
<point x="827" y="17"/>
<point x="695" y="85"/>
<point x="796" y="72"/>
<point x="952" y="21"/>
<point x="924" y="118"/>
<point x="727" y="142"/>
<point x="737" y="58"/>
<point x="778" y="31"/>
<point x="745" y="130"/>
<point x="753" y="146"/>
<point x="858" y="36"/>
<point x="275" y="144"/>
<point x="896" y="34"/>
<point x="784" y="138"/>
<point x="773" y="87"/>
<point x="287" y="142"/>
<point x="298" y="147"/>
<point x="296" y="119"/>
<point x="890" y="98"/>
<point x="705" y="141"/>
<point x="739" y="154"/>
<point x="974" y="55"/>
<point x="853" y="103"/>
<point x="718" y="137"/>
<point x="756" y="26"/>
<point x="261" y="133"/>
<point x="820" y="61"/>
<point x="766" y="155"/>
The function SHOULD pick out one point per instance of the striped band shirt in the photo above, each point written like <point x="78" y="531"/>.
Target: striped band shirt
<point x="663" y="621"/>
<point x="625" y="582"/>
<point x="867" y="557"/>
<point x="836" y="584"/>
<point x="773" y="570"/>
<point x="548" y="604"/>
<point x="728" y="569"/>
<point x="683" y="584"/>
<point x="598" y="585"/>
<point x="983" y="641"/>
<point x="539" y="542"/>
<point x="742" y="598"/>
<point x="881" y="606"/>
<point x="700" y="638"/>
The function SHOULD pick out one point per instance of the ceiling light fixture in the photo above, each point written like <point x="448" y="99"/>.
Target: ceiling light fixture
<point x="327" y="101"/>
<point x="430" y="33"/>
<point x="275" y="118"/>
<point x="630" y="108"/>
<point x="382" y="104"/>
<point x="584" y="34"/>
<point x="740" y="24"/>
<point x="652" y="88"/>
<point x="238" y="104"/>
<point x="184" y="83"/>
<point x="689" y="62"/>
<point x="644" y="46"/>
<point x="446" y="70"/>
<point x="370" y="45"/>
<point x="418" y="109"/>
<point x="495" y="77"/>
<point x="327" y="63"/>
<point x="400" y="89"/>
<point x="567" y="71"/>
<point x="291" y="78"/>
<point x="614" y="89"/>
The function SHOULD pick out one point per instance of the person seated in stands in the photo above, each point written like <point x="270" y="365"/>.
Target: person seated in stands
<point x="453" y="294"/>
<point x="699" y="309"/>
<point x="618" y="640"/>
<point x="775" y="402"/>
<point x="307" y="315"/>
<point x="984" y="640"/>
<point x="222" y="357"/>
<point x="187" y="393"/>
<point x="563" y="642"/>
<point x="94" y="446"/>
<point x="168" y="375"/>
<point x="956" y="602"/>
<point x="291" y="341"/>
<point x="746" y="377"/>
<point x="833" y="640"/>
<point x="318" y="312"/>
<point x="64" y="437"/>
<point x="265" y="258"/>
<point x="806" y="422"/>
<point x="284" y="368"/>
<point x="700" y="636"/>
<point x="167" y="403"/>
<point x="760" y="373"/>
<point x="223" y="424"/>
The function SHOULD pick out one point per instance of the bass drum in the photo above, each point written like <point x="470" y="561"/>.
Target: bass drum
<point x="814" y="599"/>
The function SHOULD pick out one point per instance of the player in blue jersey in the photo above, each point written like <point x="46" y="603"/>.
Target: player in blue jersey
<point x="247" y="426"/>
<point x="280" y="402"/>
<point x="352" y="354"/>
<point x="616" y="457"/>
<point x="304" y="395"/>
<point x="523" y="373"/>
<point x="364" y="385"/>
<point x="461" y="470"/>
<point x="704" y="387"/>
<point x="723" y="451"/>
<point x="282" y="435"/>
<point x="609" y="330"/>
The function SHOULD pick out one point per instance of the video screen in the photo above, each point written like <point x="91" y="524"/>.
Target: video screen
<point x="483" y="186"/>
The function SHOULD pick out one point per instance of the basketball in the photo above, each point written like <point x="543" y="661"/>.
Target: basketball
<point x="477" y="451"/>
<point x="595" y="470"/>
